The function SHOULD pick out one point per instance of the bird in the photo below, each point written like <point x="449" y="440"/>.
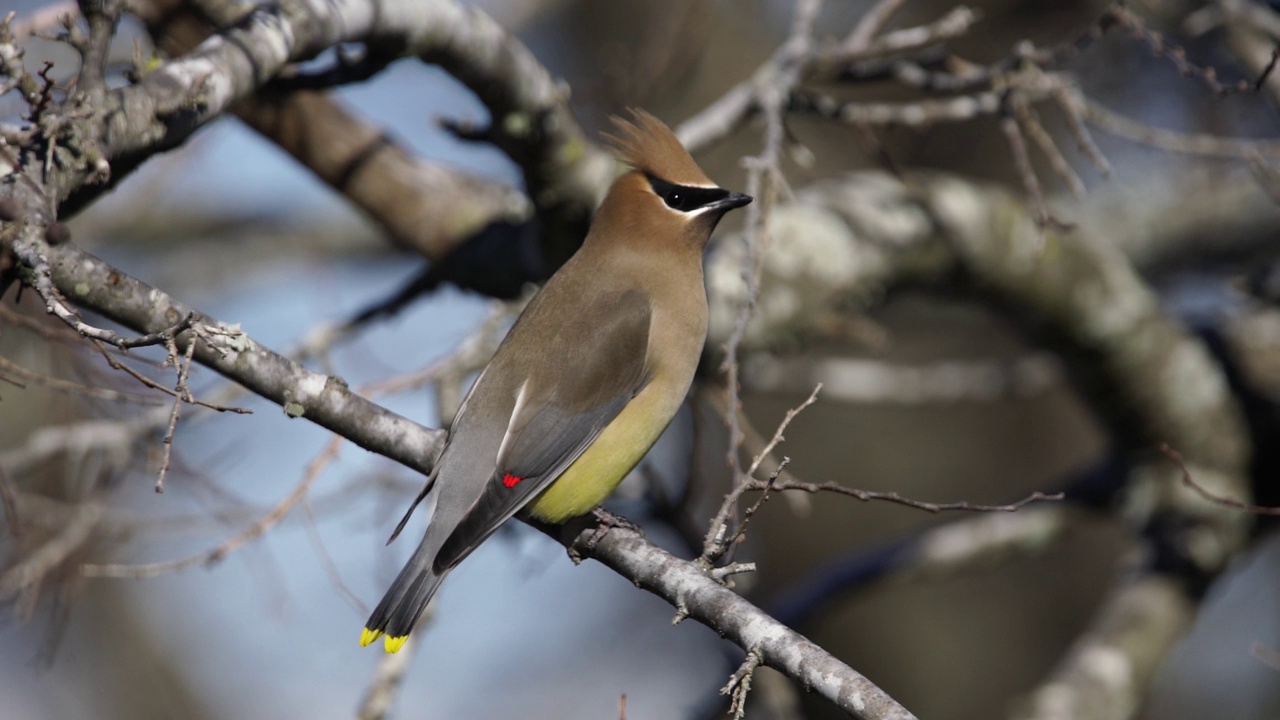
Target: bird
<point x="589" y="375"/>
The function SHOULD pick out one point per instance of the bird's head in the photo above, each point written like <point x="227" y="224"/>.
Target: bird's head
<point x="665" y="197"/>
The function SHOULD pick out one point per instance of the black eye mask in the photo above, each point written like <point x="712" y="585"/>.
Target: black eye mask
<point x="684" y="197"/>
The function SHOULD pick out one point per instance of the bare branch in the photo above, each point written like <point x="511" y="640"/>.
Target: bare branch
<point x="102" y="17"/>
<point x="182" y="393"/>
<point x="764" y="178"/>
<point x="766" y="90"/>
<point x="70" y="537"/>
<point x="893" y="497"/>
<point x="1120" y="15"/>
<point x="472" y="354"/>
<point x="718" y="542"/>
<point x="1029" y="122"/>
<point x="1173" y="140"/>
<point x="231" y="544"/>
<point x="1212" y="497"/>
<point x="1106" y="674"/>
<point x="40" y="279"/>
<point x="870" y="25"/>
<point x="9" y="368"/>
<point x="719" y="539"/>
<point x="685" y="585"/>
<point x="227" y="349"/>
<point x="956" y="23"/>
<point x="1022" y="161"/>
<point x="116" y="364"/>
<point x="740" y="684"/>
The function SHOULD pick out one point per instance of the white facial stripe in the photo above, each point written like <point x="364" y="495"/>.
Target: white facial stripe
<point x="686" y="214"/>
<point x="699" y="211"/>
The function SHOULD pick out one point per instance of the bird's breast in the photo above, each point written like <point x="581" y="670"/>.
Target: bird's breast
<point x="676" y="340"/>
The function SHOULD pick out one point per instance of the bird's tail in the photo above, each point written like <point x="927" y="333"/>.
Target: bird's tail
<point x="404" y="602"/>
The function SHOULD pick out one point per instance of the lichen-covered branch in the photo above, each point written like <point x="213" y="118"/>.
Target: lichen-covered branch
<point x="1106" y="674"/>
<point x="695" y="594"/>
<point x="323" y="399"/>
<point x="421" y="205"/>
<point x="532" y="121"/>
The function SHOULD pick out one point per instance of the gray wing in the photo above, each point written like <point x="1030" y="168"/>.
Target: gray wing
<point x="589" y="376"/>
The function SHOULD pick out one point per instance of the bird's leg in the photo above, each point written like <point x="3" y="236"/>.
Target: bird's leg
<point x="605" y="521"/>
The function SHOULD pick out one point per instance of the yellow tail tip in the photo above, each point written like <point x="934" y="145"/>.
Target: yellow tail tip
<point x="368" y="636"/>
<point x="394" y="643"/>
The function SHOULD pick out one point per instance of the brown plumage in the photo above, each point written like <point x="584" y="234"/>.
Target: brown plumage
<point x="647" y="145"/>
<point x="589" y="376"/>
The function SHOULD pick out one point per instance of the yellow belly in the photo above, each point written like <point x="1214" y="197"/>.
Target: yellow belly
<point x="619" y="448"/>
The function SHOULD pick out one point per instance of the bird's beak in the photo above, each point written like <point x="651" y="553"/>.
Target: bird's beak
<point x="735" y="200"/>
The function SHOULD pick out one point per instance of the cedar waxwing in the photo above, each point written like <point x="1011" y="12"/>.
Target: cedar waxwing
<point x="589" y="376"/>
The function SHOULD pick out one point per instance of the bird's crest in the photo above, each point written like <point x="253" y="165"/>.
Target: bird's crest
<point x="648" y="145"/>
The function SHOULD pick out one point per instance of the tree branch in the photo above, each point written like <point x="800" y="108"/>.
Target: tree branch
<point x="323" y="399"/>
<point x="1106" y="674"/>
<point x="420" y="204"/>
<point x="684" y="584"/>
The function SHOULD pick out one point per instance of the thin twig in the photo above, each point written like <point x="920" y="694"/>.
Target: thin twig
<point x="470" y="355"/>
<point x="739" y="685"/>
<point x="10" y="368"/>
<point x="1172" y="140"/>
<point x="773" y="99"/>
<point x="782" y="427"/>
<point x="182" y="393"/>
<point x="1212" y="497"/>
<point x="741" y="531"/>
<point x="1176" y="54"/>
<point x="117" y="365"/>
<point x="475" y="346"/>
<point x="776" y="76"/>
<point x="893" y="497"/>
<point x="1022" y="161"/>
<point x="1080" y="131"/>
<point x="72" y="535"/>
<point x="231" y="544"/>
<point x="1030" y="123"/>
<point x="326" y="560"/>
<point x="870" y="25"/>
<point x="916" y="114"/>
<point x="49" y="331"/>
<point x="719" y="538"/>
<point x="956" y="23"/>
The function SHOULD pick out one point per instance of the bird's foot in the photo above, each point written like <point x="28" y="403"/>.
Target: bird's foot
<point x="609" y="521"/>
<point x="605" y="521"/>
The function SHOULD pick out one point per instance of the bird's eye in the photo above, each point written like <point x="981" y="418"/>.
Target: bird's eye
<point x="686" y="198"/>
